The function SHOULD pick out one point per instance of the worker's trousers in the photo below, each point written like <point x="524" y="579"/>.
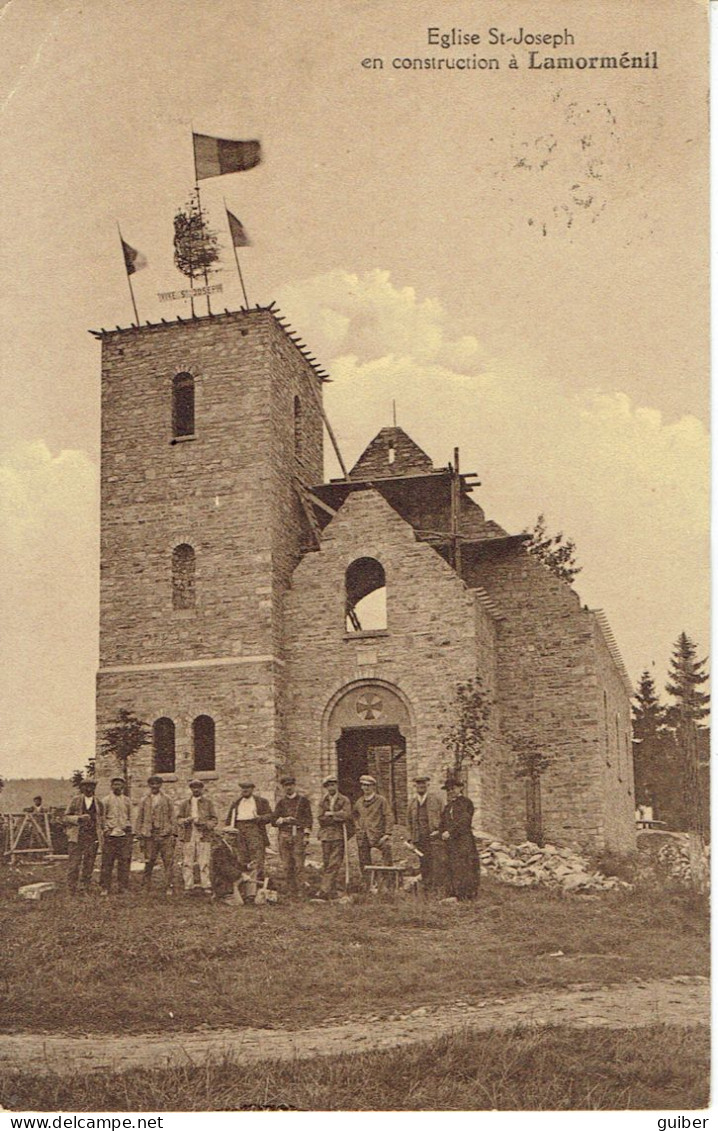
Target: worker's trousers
<point x="196" y="851"/>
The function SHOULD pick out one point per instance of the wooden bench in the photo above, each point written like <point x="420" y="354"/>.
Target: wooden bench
<point x="391" y="875"/>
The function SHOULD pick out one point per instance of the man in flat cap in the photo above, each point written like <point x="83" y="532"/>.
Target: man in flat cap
<point x="157" y="826"/>
<point x="116" y="837"/>
<point x="374" y="822"/>
<point x="196" y="819"/>
<point x="293" y="820"/>
<point x="249" y="816"/>
<point x="423" y="815"/>
<point x="335" y="827"/>
<point x="83" y="822"/>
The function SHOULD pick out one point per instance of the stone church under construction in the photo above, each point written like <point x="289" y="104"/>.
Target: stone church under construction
<point x="263" y="620"/>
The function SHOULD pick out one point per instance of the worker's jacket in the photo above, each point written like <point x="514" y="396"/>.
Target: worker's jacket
<point x="260" y="822"/>
<point x="373" y="818"/>
<point x="72" y="822"/>
<point x="334" y="817"/>
<point x="298" y="809"/>
<point x="157" y="821"/>
<point x="206" y="818"/>
<point x="434" y="806"/>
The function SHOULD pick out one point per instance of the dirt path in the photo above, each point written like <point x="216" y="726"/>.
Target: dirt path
<point x="684" y="1000"/>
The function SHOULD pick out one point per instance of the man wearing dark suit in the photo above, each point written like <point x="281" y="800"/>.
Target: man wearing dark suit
<point x="157" y="828"/>
<point x="423" y="815"/>
<point x="248" y="817"/>
<point x="293" y="820"/>
<point x="83" y="820"/>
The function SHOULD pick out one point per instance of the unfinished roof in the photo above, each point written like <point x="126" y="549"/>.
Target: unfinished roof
<point x="602" y="622"/>
<point x="435" y="501"/>
<point x="392" y="453"/>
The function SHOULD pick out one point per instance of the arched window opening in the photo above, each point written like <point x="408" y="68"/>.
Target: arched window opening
<point x="365" y="596"/>
<point x="183" y="577"/>
<point x="298" y="428"/>
<point x="183" y="405"/>
<point x="391" y="452"/>
<point x="203" y="743"/>
<point x="163" y="746"/>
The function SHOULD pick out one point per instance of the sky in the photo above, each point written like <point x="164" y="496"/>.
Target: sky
<point x="517" y="257"/>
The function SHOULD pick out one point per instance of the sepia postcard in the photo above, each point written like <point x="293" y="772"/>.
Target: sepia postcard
<point x="354" y="482"/>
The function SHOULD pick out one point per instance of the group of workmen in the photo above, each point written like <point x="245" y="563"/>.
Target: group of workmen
<point x="231" y="860"/>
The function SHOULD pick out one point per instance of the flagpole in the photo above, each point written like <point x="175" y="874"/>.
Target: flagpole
<point x="201" y="221"/>
<point x="129" y="277"/>
<point x="236" y="257"/>
<point x="199" y="206"/>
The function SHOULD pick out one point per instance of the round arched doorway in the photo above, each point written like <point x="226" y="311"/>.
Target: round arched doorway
<point x="368" y="730"/>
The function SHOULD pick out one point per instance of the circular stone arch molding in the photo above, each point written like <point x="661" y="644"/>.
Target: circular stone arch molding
<point x="367" y="703"/>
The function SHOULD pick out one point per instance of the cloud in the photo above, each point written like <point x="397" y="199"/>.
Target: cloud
<point x="48" y="517"/>
<point x="368" y="316"/>
<point x="630" y="487"/>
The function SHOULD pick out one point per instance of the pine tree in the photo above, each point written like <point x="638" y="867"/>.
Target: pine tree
<point x="654" y="755"/>
<point x="686" y="676"/>
<point x="78" y="776"/>
<point x="648" y="714"/>
<point x="196" y="246"/>
<point x="553" y="550"/>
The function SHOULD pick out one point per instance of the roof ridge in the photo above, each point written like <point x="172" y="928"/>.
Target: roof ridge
<point x="610" y="640"/>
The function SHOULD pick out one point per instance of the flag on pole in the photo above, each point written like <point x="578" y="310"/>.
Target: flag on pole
<point x="134" y="260"/>
<point x="215" y="156"/>
<point x="237" y="230"/>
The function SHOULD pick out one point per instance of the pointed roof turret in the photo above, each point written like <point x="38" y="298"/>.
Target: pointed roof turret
<point x="392" y="453"/>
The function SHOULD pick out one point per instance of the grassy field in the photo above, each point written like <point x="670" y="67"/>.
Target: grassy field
<point x="148" y="963"/>
<point x="555" y="1069"/>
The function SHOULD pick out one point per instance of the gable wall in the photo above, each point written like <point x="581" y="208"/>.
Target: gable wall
<point x="432" y="641"/>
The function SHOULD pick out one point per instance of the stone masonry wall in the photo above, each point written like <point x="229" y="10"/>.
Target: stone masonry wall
<point x="616" y="749"/>
<point x="489" y="818"/>
<point x="219" y="491"/>
<point x="547" y="689"/>
<point x="431" y="642"/>
<point x="228" y="493"/>
<point x="240" y="698"/>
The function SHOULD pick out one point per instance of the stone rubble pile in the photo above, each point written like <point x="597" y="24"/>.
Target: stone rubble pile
<point x="674" y="859"/>
<point x="526" y="865"/>
<point x="663" y="857"/>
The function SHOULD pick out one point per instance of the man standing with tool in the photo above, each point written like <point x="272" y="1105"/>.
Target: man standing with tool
<point x="335" y="827"/>
<point x="248" y="818"/>
<point x="293" y="820"/>
<point x="374" y="822"/>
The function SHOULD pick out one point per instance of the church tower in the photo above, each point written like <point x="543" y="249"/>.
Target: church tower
<point x="210" y="427"/>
